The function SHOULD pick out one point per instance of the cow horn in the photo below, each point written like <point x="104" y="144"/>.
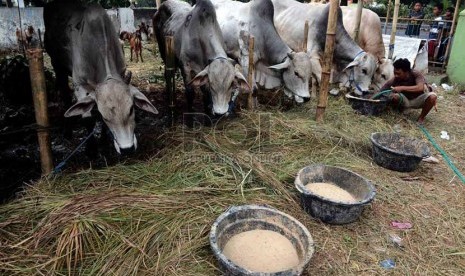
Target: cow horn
<point x="127" y="76"/>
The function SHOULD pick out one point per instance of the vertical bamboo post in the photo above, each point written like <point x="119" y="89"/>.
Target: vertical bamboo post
<point x="394" y="28"/>
<point x="358" y="20"/>
<point x="39" y="96"/>
<point x="250" y="97"/>
<point x="388" y="16"/>
<point x="327" y="59"/>
<point x="305" y="45"/>
<point x="158" y="3"/>
<point x="452" y="32"/>
<point x="170" y="69"/>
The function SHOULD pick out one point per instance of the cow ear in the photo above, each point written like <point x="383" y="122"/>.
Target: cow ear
<point x="200" y="79"/>
<point x="291" y="55"/>
<point x="352" y="64"/>
<point x="280" y="66"/>
<point x="242" y="83"/>
<point x="83" y="106"/>
<point x="141" y="101"/>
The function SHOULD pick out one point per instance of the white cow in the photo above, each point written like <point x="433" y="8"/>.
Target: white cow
<point x="200" y="53"/>
<point x="356" y="67"/>
<point x="370" y="39"/>
<point x="275" y="63"/>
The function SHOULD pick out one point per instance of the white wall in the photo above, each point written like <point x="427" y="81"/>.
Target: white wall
<point x="122" y="18"/>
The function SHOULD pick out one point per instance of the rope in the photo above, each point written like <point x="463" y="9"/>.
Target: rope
<point x="60" y="166"/>
<point x="443" y="153"/>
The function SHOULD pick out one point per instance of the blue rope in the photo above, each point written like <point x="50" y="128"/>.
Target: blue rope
<point x="60" y="166"/>
<point x="443" y="153"/>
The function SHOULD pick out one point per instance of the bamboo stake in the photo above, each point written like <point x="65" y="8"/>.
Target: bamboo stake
<point x="394" y="28"/>
<point x="328" y="59"/>
<point x="158" y="3"/>
<point x="388" y="16"/>
<point x="304" y="47"/>
<point x="170" y="69"/>
<point x="250" y="97"/>
<point x="452" y="32"/>
<point x="39" y="95"/>
<point x="358" y="20"/>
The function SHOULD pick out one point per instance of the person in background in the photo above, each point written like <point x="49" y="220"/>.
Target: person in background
<point x="446" y="34"/>
<point x="437" y="24"/>
<point x="409" y="89"/>
<point x="413" y="27"/>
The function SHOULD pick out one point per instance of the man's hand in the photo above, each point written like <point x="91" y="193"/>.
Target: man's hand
<point x="396" y="89"/>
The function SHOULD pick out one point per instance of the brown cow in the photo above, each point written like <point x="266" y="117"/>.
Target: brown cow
<point x="136" y="45"/>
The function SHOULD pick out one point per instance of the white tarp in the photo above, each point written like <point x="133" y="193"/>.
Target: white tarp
<point x="408" y="47"/>
<point x="126" y="17"/>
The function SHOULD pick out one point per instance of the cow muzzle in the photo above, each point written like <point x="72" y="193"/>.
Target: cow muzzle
<point x="126" y="149"/>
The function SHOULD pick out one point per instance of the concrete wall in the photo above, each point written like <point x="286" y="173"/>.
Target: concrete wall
<point x="9" y="21"/>
<point x="456" y="65"/>
<point x="122" y="18"/>
<point x="144" y="15"/>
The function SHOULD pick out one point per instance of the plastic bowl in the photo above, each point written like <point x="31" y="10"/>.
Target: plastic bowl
<point x="238" y="219"/>
<point x="398" y="152"/>
<point x="329" y="210"/>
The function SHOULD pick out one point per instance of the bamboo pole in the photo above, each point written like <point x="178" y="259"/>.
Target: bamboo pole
<point x="158" y="3"/>
<point x="388" y="16"/>
<point x="170" y="69"/>
<point x="328" y="59"/>
<point x="394" y="28"/>
<point x="452" y="32"/>
<point x="358" y="20"/>
<point x="305" y="46"/>
<point x="39" y="96"/>
<point x="250" y="97"/>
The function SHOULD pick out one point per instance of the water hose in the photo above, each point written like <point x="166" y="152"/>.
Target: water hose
<point x="387" y="92"/>
<point x="443" y="153"/>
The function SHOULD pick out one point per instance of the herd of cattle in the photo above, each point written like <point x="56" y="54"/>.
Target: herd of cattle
<point x="211" y="45"/>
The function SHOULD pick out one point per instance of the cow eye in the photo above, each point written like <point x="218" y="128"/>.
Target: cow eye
<point x="297" y="74"/>
<point x="383" y="76"/>
<point x="364" y="71"/>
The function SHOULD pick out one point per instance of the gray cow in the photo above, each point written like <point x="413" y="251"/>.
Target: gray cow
<point x="199" y="50"/>
<point x="356" y="67"/>
<point x="83" y="43"/>
<point x="275" y="63"/>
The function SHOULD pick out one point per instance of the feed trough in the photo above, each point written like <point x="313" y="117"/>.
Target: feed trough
<point x="368" y="106"/>
<point x="398" y="152"/>
<point x="324" y="204"/>
<point x="238" y="240"/>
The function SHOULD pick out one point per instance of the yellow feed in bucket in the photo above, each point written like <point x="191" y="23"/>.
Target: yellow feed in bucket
<point x="261" y="251"/>
<point x="331" y="191"/>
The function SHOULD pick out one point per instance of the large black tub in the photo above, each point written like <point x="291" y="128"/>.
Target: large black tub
<point x="239" y="219"/>
<point x="330" y="210"/>
<point x="398" y="152"/>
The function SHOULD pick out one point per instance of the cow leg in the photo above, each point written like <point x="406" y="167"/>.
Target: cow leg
<point x="141" y="60"/>
<point x="190" y="95"/>
<point x="207" y="101"/>
<point x="132" y="49"/>
<point x="66" y="96"/>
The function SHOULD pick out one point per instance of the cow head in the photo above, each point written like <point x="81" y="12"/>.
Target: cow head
<point x="383" y="73"/>
<point x="115" y="101"/>
<point x="359" y="73"/>
<point x="296" y="70"/>
<point x="223" y="78"/>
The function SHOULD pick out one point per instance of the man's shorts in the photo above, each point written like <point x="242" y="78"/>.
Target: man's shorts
<point x="416" y="103"/>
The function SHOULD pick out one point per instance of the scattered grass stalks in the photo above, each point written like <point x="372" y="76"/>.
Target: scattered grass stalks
<point x="153" y="217"/>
